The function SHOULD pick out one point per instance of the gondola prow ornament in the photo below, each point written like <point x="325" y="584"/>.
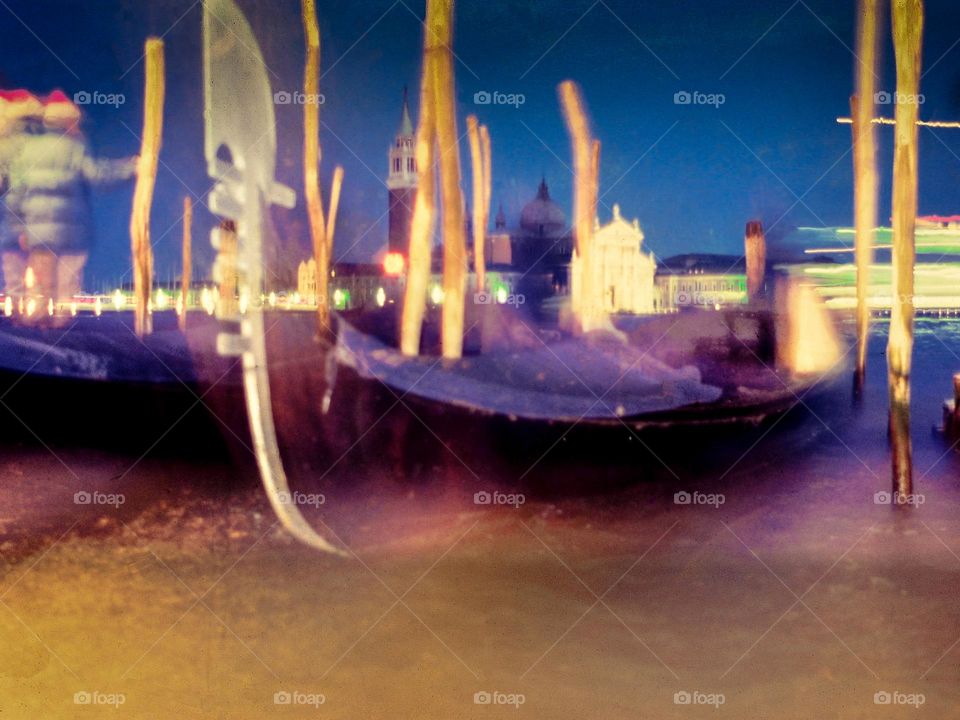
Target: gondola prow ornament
<point x="240" y="147"/>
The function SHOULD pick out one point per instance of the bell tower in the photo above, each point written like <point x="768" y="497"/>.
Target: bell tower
<point x="402" y="182"/>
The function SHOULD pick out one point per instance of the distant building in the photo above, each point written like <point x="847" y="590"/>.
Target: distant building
<point x="701" y="280"/>
<point x="402" y="182"/>
<point x="627" y="272"/>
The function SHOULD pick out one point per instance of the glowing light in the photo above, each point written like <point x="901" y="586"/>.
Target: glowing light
<point x="50" y="307"/>
<point x="30" y="278"/>
<point x="296" y="298"/>
<point x="98" y="307"/>
<point x="31" y="306"/>
<point x="118" y="300"/>
<point x="272" y="299"/>
<point x="208" y="301"/>
<point x="341" y="298"/>
<point x="8" y="306"/>
<point x="393" y="264"/>
<point x="163" y="300"/>
<point x="811" y="343"/>
<point x="381" y="297"/>
<point x="73" y="309"/>
<point x="436" y="295"/>
<point x="244" y="302"/>
<point x="179" y="305"/>
<point x="501" y="295"/>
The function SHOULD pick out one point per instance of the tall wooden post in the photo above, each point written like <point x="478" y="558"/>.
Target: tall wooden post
<point x="141" y="250"/>
<point x="862" y="107"/>
<point x="335" y="189"/>
<point x="487" y="152"/>
<point x="424" y="209"/>
<point x="755" y="250"/>
<point x="451" y="193"/>
<point x="478" y="159"/>
<point x="186" y="279"/>
<point x="907" y="40"/>
<point x="311" y="162"/>
<point x="586" y="294"/>
<point x="227" y="255"/>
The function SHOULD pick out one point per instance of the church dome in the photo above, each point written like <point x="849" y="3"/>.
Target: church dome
<point x="543" y="218"/>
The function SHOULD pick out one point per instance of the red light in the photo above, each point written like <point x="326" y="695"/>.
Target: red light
<point x="393" y="264"/>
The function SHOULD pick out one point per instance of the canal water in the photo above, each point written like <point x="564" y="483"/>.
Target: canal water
<point x="753" y="574"/>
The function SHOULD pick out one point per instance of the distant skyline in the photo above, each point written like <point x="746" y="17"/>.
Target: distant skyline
<point x="692" y="173"/>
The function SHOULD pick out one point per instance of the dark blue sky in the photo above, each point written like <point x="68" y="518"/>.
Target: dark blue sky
<point x="692" y="174"/>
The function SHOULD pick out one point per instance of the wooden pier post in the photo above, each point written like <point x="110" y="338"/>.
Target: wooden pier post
<point x="478" y="166"/>
<point x="228" y="307"/>
<point x="140" y="247"/>
<point x="862" y="106"/>
<point x="424" y="209"/>
<point x="586" y="296"/>
<point x="755" y="250"/>
<point x="186" y="279"/>
<point x="451" y="192"/>
<point x="311" y="162"/>
<point x="908" y="41"/>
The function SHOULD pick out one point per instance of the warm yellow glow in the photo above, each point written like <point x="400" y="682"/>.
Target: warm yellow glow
<point x="272" y="299"/>
<point x="436" y="294"/>
<point x="208" y="301"/>
<point x="244" y="302"/>
<point x="73" y="309"/>
<point x="30" y="278"/>
<point x="810" y="341"/>
<point x="163" y="300"/>
<point x="118" y="300"/>
<point x="31" y="306"/>
<point x="8" y="306"/>
<point x="179" y="305"/>
<point x="50" y="307"/>
<point x="381" y="297"/>
<point x="98" y="307"/>
<point x="393" y="264"/>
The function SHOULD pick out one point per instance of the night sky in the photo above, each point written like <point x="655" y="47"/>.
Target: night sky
<point x="692" y="174"/>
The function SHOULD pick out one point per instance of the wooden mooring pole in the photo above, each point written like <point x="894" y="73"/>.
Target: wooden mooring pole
<point x="907" y="40"/>
<point x="862" y="106"/>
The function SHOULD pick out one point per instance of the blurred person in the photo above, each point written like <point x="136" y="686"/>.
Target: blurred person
<point x="51" y="175"/>
<point x="20" y="113"/>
